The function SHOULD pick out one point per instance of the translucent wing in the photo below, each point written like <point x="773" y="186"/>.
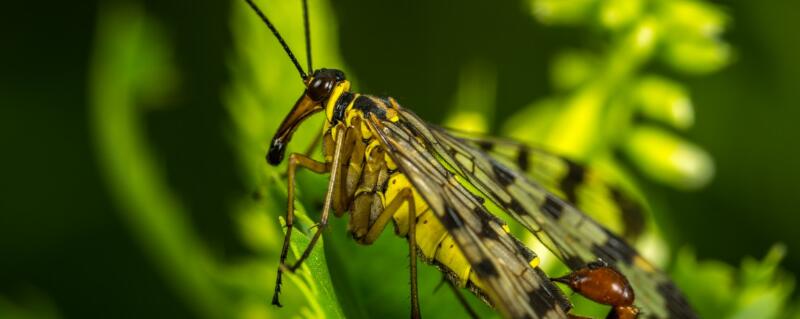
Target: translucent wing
<point x="498" y="259"/>
<point x="565" y="230"/>
<point x="573" y="182"/>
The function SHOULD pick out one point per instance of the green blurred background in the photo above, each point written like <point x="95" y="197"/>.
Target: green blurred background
<point x="67" y="248"/>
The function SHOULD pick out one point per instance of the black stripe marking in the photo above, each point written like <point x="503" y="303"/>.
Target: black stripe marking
<point x="538" y="298"/>
<point x="545" y="295"/>
<point x="479" y="198"/>
<point x="632" y="213"/>
<point x="575" y="176"/>
<point x="523" y="250"/>
<point x="368" y="106"/>
<point x="552" y="207"/>
<point x="341" y="105"/>
<point x="522" y="159"/>
<point x="574" y="262"/>
<point x="516" y="207"/>
<point x="504" y="176"/>
<point x="448" y="220"/>
<point x="485" y="269"/>
<point x="485" y="145"/>
<point x="486" y="225"/>
<point x="485" y="215"/>
<point x="615" y="249"/>
<point x="676" y="303"/>
<point x="487" y="231"/>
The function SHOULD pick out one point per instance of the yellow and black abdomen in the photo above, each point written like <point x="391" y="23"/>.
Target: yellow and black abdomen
<point x="371" y="180"/>
<point x="435" y="244"/>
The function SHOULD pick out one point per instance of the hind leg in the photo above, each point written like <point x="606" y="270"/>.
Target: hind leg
<point x="405" y="196"/>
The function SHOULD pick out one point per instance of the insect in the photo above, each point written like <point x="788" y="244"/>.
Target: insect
<point x="387" y="165"/>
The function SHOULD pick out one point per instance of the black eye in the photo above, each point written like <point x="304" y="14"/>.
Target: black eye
<point x="320" y="88"/>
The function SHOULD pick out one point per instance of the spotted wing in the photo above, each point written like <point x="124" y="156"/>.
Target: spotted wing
<point x="586" y="189"/>
<point x="501" y="263"/>
<point x="571" y="235"/>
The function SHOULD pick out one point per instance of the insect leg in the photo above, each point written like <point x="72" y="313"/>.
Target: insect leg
<point x="323" y="221"/>
<point x="461" y="299"/>
<point x="295" y="161"/>
<point x="404" y="196"/>
<point x="412" y="253"/>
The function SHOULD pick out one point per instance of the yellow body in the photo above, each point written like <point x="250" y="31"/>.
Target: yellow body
<point x="434" y="244"/>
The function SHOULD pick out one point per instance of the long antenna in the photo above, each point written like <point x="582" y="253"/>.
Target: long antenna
<point x="308" y="36"/>
<point x="280" y="39"/>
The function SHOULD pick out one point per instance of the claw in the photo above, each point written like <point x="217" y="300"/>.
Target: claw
<point x="275" y="296"/>
<point x="275" y="300"/>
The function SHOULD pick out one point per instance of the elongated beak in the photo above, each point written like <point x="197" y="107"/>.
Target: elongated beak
<point x="304" y="108"/>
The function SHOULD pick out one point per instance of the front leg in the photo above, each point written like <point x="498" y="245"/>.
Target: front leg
<point x="332" y="188"/>
<point x="295" y="160"/>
